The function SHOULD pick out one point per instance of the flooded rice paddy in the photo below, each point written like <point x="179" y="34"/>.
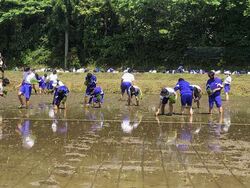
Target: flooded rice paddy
<point x="121" y="146"/>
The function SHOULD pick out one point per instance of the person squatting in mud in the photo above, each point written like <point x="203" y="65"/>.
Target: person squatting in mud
<point x="96" y="97"/>
<point x="60" y="95"/>
<point x="134" y="91"/>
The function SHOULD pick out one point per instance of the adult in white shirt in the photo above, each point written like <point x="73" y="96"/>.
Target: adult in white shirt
<point x="227" y="84"/>
<point x="126" y="82"/>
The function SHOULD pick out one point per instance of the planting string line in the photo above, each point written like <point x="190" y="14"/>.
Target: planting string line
<point x="119" y="121"/>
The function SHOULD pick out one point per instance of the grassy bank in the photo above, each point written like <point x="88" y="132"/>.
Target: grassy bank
<point x="148" y="82"/>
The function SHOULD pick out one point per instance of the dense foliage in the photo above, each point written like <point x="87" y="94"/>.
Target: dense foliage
<point x="138" y="33"/>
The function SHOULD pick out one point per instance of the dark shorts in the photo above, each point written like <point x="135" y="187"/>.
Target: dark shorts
<point x="186" y="100"/>
<point x="164" y="100"/>
<point x="216" y="100"/>
<point x="227" y="88"/>
<point x="62" y="97"/>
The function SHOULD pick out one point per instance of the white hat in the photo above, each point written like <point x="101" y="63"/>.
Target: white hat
<point x="227" y="72"/>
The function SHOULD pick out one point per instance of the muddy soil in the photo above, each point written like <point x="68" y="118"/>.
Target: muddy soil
<point x="123" y="146"/>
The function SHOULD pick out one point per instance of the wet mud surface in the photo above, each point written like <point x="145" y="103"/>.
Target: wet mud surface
<point x="121" y="146"/>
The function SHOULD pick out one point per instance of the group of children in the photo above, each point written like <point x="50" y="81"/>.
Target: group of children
<point x="190" y="93"/>
<point x="51" y="85"/>
<point x="94" y="94"/>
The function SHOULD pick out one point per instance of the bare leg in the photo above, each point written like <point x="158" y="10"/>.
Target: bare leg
<point x="137" y="101"/>
<point x="171" y="108"/>
<point x="163" y="109"/>
<point x="198" y="104"/>
<point x="20" y="99"/>
<point x="220" y="110"/>
<point x="190" y="110"/>
<point x="182" y="109"/>
<point x="210" y="110"/>
<point x="27" y="103"/>
<point x="129" y="100"/>
<point x="227" y="96"/>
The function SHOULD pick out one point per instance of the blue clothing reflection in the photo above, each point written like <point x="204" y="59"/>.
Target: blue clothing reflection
<point x="28" y="140"/>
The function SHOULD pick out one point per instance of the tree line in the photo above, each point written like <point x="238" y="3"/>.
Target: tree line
<point x="136" y="33"/>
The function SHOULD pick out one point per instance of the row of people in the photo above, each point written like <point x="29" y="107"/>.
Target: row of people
<point x="189" y="92"/>
<point x="95" y="95"/>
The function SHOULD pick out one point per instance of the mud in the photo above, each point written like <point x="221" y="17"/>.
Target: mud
<point x="122" y="146"/>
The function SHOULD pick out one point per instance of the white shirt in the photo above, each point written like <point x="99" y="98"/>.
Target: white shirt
<point x="171" y="92"/>
<point x="128" y="77"/>
<point x="28" y="78"/>
<point x="228" y="80"/>
<point x="1" y="62"/>
<point x="196" y="86"/>
<point x="53" y="78"/>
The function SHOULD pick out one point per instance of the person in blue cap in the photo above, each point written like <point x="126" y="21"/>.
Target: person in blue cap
<point x="60" y="95"/>
<point x="213" y="88"/>
<point x="90" y="83"/>
<point x="186" y="92"/>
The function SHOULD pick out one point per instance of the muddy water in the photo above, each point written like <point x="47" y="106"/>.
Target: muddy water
<point x="121" y="146"/>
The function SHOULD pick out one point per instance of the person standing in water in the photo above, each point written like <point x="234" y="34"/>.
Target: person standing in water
<point x="213" y="88"/>
<point x="227" y="83"/>
<point x="186" y="92"/>
<point x="126" y="82"/>
<point x="25" y="88"/>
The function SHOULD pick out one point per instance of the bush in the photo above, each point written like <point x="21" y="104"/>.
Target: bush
<point x="39" y="56"/>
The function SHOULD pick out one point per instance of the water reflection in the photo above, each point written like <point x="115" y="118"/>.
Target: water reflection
<point x="24" y="130"/>
<point x="58" y="126"/>
<point x="227" y="120"/>
<point x="130" y="121"/>
<point x="96" y="118"/>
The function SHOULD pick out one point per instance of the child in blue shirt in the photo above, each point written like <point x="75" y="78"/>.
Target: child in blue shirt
<point x="96" y="97"/>
<point x="186" y="92"/>
<point x="60" y="95"/>
<point x="90" y="82"/>
<point x="213" y="87"/>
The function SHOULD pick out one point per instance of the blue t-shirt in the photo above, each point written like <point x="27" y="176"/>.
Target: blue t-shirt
<point x="64" y="89"/>
<point x="184" y="87"/>
<point x="97" y="91"/>
<point x="214" y="84"/>
<point x="91" y="82"/>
